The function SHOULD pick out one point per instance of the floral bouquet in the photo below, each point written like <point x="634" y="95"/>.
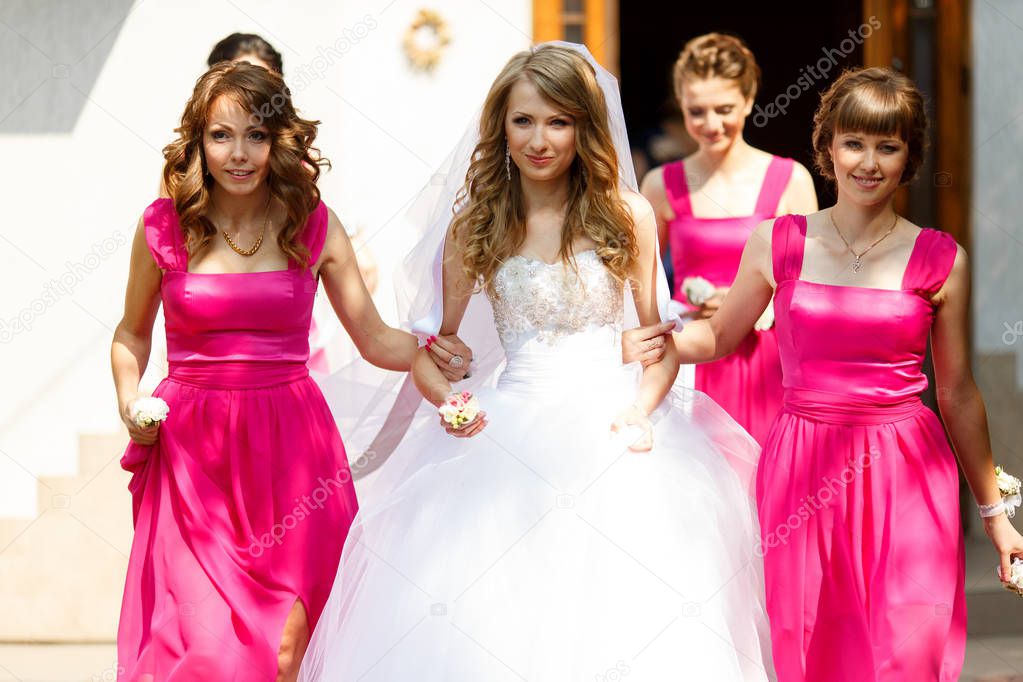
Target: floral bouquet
<point x="1015" y="579"/>
<point x="698" y="290"/>
<point x="459" y="409"/>
<point x="1009" y="487"/>
<point x="148" y="411"/>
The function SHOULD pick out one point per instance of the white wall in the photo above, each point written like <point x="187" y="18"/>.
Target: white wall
<point x="997" y="252"/>
<point x="89" y="98"/>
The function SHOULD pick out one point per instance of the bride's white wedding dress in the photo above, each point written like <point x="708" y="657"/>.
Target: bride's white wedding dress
<point x="543" y="549"/>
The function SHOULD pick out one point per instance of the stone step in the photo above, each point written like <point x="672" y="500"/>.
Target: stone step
<point x="64" y="568"/>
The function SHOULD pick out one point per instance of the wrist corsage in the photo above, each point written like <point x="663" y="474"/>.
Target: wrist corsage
<point x="459" y="409"/>
<point x="1009" y="488"/>
<point x="1014" y="582"/>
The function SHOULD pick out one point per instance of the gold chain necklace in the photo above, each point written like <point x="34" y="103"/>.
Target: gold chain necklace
<point x="858" y="263"/>
<point x="259" y="242"/>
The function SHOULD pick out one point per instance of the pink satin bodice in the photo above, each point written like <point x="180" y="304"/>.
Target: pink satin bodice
<point x="254" y="317"/>
<point x="850" y="349"/>
<point x="712" y="247"/>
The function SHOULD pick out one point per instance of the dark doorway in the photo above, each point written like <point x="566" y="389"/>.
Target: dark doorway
<point x="786" y="39"/>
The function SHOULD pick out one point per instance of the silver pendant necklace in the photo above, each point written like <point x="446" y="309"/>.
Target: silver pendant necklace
<point x="857" y="264"/>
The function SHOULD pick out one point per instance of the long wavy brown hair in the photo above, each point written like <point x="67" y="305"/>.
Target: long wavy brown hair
<point x="491" y="222"/>
<point x="294" y="161"/>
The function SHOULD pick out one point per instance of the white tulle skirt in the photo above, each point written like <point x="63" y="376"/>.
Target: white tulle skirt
<point x="544" y="550"/>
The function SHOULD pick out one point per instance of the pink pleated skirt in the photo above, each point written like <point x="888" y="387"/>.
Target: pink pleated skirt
<point x="862" y="543"/>
<point x="747" y="383"/>
<point x="241" y="508"/>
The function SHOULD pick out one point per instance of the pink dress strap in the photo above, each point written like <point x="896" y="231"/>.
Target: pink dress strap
<point x="787" y="238"/>
<point x="779" y="172"/>
<point x="163" y="235"/>
<point x="933" y="255"/>
<point x="315" y="234"/>
<point x="677" y="189"/>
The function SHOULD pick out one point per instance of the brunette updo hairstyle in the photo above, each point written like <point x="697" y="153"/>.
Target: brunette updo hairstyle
<point x="716" y="55"/>
<point x="872" y="101"/>
<point x="238" y="45"/>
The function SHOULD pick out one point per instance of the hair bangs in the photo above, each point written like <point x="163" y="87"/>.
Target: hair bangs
<point x="875" y="109"/>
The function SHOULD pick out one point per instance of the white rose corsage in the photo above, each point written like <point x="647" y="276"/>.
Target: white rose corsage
<point x="148" y="411"/>
<point x="459" y="409"/>
<point x="1009" y="487"/>
<point x="1015" y="578"/>
<point x="698" y="290"/>
<point x="766" y="319"/>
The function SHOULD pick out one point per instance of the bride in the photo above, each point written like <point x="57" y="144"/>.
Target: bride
<point x="594" y="522"/>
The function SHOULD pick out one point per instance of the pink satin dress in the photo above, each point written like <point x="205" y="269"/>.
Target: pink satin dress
<point x="857" y="486"/>
<point x="747" y="383"/>
<point x="243" y="504"/>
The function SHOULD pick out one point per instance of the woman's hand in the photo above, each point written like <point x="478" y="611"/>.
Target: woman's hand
<point x="467" y="430"/>
<point x="138" y="435"/>
<point x="443" y="351"/>
<point x="646" y="344"/>
<point x="634" y="417"/>
<point x="1007" y="541"/>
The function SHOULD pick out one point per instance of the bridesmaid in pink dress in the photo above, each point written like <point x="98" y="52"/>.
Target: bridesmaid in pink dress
<point x="857" y="485"/>
<point x="243" y="497"/>
<point x="708" y="204"/>
<point x="256" y="50"/>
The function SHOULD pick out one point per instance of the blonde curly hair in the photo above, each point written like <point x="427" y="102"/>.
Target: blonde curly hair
<point x="490" y="221"/>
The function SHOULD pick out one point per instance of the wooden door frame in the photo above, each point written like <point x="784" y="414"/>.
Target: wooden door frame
<point x="600" y="28"/>
<point x="950" y="174"/>
<point x="951" y="122"/>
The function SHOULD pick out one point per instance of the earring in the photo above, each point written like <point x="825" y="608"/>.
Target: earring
<point x="507" y="161"/>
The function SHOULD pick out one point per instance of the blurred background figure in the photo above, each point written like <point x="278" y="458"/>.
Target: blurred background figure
<point x="247" y="47"/>
<point x="708" y="204"/>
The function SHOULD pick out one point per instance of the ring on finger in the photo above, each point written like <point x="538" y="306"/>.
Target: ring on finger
<point x="457" y="361"/>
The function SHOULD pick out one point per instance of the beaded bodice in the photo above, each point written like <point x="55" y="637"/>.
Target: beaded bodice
<point x="548" y="301"/>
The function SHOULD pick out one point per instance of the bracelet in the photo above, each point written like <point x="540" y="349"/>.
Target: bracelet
<point x="989" y="510"/>
<point x="1007" y="505"/>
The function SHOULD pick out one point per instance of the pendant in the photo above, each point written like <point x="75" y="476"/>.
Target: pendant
<point x="857" y="265"/>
